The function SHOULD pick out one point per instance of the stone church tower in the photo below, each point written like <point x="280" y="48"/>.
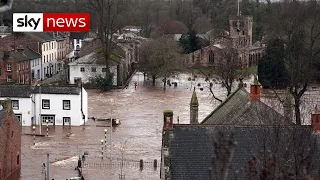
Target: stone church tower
<point x="241" y="30"/>
<point x="194" y="107"/>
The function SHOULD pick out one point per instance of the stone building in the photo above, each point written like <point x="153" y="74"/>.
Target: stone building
<point x="238" y="38"/>
<point x="10" y="140"/>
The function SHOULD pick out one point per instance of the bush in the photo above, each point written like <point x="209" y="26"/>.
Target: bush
<point x="104" y="83"/>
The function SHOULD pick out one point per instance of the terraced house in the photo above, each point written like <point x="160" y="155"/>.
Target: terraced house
<point x="19" y="66"/>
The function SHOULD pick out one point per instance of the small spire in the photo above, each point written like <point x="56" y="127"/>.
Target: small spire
<point x="241" y="85"/>
<point x="194" y="99"/>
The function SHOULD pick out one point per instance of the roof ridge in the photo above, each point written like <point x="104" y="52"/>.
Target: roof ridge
<point x="220" y="105"/>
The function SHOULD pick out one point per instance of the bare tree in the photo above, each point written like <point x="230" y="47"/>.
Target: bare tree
<point x="160" y="58"/>
<point x="107" y="15"/>
<point x="227" y="67"/>
<point x="296" y="23"/>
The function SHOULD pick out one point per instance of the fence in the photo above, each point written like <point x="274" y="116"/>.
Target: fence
<point x="118" y="163"/>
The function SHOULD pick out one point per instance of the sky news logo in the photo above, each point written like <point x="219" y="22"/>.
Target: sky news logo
<point x="51" y="22"/>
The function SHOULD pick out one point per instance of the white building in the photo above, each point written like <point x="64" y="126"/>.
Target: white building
<point x="53" y="48"/>
<point x="90" y="66"/>
<point x="66" y="106"/>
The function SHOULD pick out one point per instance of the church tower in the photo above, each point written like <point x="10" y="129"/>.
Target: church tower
<point x="194" y="108"/>
<point x="241" y="30"/>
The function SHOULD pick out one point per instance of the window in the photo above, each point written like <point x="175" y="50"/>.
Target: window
<point x="49" y="118"/>
<point x="8" y="67"/>
<point x="82" y="69"/>
<point x="19" y="67"/>
<point x="18" y="159"/>
<point x="211" y="57"/>
<point x="104" y="69"/>
<point x="94" y="69"/>
<point x="22" y="66"/>
<point x="38" y="73"/>
<point x="11" y="133"/>
<point x="27" y="78"/>
<point x="9" y="78"/>
<point x="27" y="65"/>
<point x="78" y="41"/>
<point x="44" y="59"/>
<point x="15" y="104"/>
<point x="66" y="104"/>
<point x="45" y="104"/>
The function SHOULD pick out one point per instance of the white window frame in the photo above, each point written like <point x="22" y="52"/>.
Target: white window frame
<point x="9" y="68"/>
<point x="15" y="104"/>
<point x="9" y="80"/>
<point x="82" y="69"/>
<point x="45" y="103"/>
<point x="66" y="104"/>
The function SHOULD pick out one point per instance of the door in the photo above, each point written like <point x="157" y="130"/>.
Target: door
<point x="66" y="121"/>
<point x="19" y="118"/>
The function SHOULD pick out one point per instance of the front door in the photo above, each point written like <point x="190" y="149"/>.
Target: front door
<point x="19" y="118"/>
<point x="66" y="121"/>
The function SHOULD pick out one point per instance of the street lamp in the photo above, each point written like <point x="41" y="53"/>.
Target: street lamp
<point x="105" y="139"/>
<point x="40" y="120"/>
<point x="34" y="135"/>
<point x="112" y="102"/>
<point x="47" y="121"/>
<point x="102" y="147"/>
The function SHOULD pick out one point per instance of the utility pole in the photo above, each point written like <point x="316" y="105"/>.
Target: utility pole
<point x="48" y="167"/>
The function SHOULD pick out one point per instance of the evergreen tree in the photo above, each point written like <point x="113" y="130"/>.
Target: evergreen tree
<point x="190" y="42"/>
<point x="271" y="69"/>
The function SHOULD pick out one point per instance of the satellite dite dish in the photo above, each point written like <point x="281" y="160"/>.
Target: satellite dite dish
<point x="1" y="107"/>
<point x="5" y="5"/>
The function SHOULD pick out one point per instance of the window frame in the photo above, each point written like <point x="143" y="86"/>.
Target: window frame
<point x="43" y="100"/>
<point x="15" y="108"/>
<point x="64" y="102"/>
<point x="9" y="68"/>
<point x="82" y="69"/>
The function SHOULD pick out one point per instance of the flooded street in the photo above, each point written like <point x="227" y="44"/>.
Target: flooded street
<point x="138" y="137"/>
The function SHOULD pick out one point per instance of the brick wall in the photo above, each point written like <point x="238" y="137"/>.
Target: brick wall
<point x="10" y="140"/>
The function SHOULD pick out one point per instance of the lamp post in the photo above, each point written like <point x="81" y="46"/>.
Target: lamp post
<point x="111" y="129"/>
<point x="34" y="135"/>
<point x="102" y="148"/>
<point x="40" y="121"/>
<point x="47" y="121"/>
<point x="105" y="139"/>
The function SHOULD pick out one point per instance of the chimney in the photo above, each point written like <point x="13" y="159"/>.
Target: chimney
<point x="288" y="107"/>
<point x="255" y="89"/>
<point x="315" y="119"/>
<point x="194" y="108"/>
<point x="167" y="120"/>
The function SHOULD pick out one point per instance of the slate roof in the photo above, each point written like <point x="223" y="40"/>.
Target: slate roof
<point x="21" y="91"/>
<point x="77" y="35"/>
<point x="41" y="36"/>
<point x="23" y="55"/>
<point x="96" y="58"/>
<point x="192" y="148"/>
<point x="238" y="110"/>
<point x="25" y="91"/>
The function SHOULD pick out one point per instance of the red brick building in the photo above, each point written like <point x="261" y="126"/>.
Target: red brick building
<point x="15" y="65"/>
<point x="10" y="140"/>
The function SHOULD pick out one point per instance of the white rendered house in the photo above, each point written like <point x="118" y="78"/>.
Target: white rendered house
<point x="33" y="105"/>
